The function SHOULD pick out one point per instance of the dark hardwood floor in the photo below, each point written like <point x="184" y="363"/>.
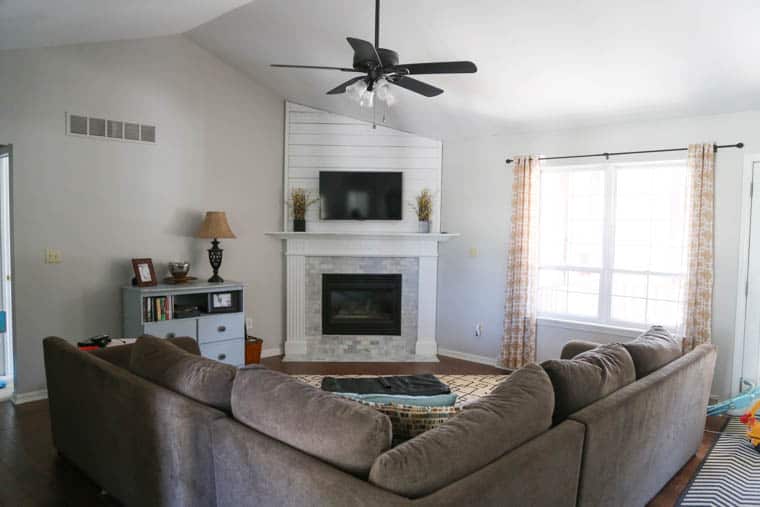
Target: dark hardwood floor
<point x="32" y="474"/>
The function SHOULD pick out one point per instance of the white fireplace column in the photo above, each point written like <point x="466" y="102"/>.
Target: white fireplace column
<point x="300" y="245"/>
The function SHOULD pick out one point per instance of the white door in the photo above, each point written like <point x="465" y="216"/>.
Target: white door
<point x="6" y="338"/>
<point x="751" y="350"/>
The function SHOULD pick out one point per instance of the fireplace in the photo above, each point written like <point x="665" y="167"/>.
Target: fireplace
<point x="361" y="304"/>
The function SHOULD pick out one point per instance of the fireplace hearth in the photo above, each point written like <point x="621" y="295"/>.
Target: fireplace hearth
<point x="361" y="304"/>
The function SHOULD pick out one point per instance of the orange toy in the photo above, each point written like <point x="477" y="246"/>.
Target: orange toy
<point x="753" y="425"/>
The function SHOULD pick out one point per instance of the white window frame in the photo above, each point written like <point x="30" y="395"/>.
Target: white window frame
<point x="604" y="320"/>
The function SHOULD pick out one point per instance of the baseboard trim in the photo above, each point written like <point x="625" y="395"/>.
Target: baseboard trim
<point x="271" y="352"/>
<point x="21" y="398"/>
<point x="490" y="361"/>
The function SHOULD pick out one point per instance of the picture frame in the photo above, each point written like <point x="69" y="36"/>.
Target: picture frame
<point x="145" y="274"/>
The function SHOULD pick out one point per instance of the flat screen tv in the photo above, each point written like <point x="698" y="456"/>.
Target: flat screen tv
<point x="360" y="195"/>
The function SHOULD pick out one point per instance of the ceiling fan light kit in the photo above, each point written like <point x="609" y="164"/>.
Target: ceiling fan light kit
<point x="380" y="69"/>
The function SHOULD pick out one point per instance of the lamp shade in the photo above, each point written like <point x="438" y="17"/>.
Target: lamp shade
<point x="215" y="226"/>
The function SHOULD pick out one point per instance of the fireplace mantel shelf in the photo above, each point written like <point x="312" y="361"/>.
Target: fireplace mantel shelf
<point x="432" y="236"/>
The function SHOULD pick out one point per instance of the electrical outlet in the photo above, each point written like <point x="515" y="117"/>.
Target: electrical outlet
<point x="478" y="329"/>
<point x="53" y="256"/>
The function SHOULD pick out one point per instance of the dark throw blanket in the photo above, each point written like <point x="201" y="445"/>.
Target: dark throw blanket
<point x="410" y="385"/>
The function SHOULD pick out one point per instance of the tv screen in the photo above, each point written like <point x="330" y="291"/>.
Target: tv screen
<point x="360" y="195"/>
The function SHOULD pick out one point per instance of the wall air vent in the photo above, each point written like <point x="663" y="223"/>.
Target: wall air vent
<point x="114" y="130"/>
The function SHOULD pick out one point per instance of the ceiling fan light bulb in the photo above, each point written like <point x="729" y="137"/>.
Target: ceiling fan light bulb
<point x="368" y="99"/>
<point x="356" y="90"/>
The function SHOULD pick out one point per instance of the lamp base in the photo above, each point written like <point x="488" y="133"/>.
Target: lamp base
<point x="216" y="279"/>
<point x="215" y="259"/>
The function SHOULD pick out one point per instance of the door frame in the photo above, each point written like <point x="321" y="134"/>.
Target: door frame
<point x="742" y="279"/>
<point x="7" y="259"/>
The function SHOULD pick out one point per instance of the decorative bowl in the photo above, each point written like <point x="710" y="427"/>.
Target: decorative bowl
<point x="179" y="270"/>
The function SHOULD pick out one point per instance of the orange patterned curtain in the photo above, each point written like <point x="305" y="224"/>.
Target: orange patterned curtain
<point x="519" y="342"/>
<point x="699" y="280"/>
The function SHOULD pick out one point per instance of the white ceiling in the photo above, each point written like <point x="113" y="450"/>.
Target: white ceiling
<point x="543" y="64"/>
<point x="40" y="23"/>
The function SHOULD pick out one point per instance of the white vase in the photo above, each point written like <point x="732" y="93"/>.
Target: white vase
<point x="423" y="226"/>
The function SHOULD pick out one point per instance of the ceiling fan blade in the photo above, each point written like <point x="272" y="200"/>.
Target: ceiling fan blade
<point x="344" y="69"/>
<point x="416" y="86"/>
<point x="363" y="50"/>
<point x="462" y="67"/>
<point x="341" y="88"/>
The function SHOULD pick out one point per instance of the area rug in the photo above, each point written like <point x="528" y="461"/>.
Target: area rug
<point x="468" y="388"/>
<point x="729" y="474"/>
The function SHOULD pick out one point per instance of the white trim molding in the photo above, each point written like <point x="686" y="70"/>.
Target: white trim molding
<point x="490" y="361"/>
<point x="21" y="398"/>
<point x="743" y="275"/>
<point x="272" y="352"/>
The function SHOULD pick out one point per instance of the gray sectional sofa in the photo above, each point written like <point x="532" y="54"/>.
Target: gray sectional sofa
<point x="145" y="423"/>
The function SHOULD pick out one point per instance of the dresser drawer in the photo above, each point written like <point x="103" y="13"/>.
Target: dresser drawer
<point x="229" y="351"/>
<point x="216" y="328"/>
<point x="172" y="328"/>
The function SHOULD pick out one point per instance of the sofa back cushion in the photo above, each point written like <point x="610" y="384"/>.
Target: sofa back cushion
<point x="341" y="432"/>
<point x="653" y="349"/>
<point x="516" y="411"/>
<point x="168" y="365"/>
<point x="587" y="377"/>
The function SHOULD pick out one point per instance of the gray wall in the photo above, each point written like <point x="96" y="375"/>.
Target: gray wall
<point x="476" y="202"/>
<point x="220" y="145"/>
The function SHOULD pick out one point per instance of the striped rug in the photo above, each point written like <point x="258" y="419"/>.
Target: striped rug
<point x="730" y="476"/>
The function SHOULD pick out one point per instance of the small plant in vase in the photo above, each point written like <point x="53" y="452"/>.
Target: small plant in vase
<point x="299" y="202"/>
<point x="423" y="207"/>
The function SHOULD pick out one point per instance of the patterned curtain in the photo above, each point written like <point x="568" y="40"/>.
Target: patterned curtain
<point x="519" y="342"/>
<point x="699" y="279"/>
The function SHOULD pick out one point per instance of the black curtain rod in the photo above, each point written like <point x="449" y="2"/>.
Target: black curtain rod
<point x="607" y="156"/>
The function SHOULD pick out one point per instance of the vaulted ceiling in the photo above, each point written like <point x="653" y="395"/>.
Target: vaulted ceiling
<point x="543" y="64"/>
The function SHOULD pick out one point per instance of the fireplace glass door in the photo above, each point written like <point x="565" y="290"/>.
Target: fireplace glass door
<point x="361" y="304"/>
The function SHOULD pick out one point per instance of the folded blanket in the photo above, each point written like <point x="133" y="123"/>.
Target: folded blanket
<point x="410" y="385"/>
<point x="437" y="400"/>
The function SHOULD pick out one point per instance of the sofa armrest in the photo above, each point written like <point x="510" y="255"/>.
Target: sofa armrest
<point x="253" y="469"/>
<point x="144" y="444"/>
<point x="575" y="347"/>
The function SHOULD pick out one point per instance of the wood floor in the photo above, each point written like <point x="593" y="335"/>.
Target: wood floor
<point x="32" y="474"/>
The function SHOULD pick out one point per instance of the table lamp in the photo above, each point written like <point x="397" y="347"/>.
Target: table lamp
<point x="215" y="226"/>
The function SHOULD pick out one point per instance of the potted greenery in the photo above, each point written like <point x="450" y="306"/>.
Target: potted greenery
<point x="300" y="200"/>
<point x="423" y="207"/>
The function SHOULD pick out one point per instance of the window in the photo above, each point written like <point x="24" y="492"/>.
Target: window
<point x="613" y="243"/>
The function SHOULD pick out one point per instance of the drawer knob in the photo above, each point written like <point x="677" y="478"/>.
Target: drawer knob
<point x="222" y="329"/>
<point x="170" y="335"/>
<point x="222" y="357"/>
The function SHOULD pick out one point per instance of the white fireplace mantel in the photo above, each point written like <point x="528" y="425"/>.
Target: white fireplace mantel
<point x="300" y="245"/>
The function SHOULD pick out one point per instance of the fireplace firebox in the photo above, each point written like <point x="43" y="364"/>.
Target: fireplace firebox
<point x="360" y="304"/>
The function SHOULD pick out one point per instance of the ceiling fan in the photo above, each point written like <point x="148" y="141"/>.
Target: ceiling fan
<point x="380" y="69"/>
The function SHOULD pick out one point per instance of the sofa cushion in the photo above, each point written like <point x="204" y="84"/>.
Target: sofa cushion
<point x="120" y="355"/>
<point x="653" y="349"/>
<point x="167" y="365"/>
<point x="587" y="377"/>
<point x="575" y="347"/>
<point x="516" y="411"/>
<point x="342" y="432"/>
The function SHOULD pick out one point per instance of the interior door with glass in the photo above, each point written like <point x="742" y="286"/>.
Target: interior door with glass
<point x="751" y="350"/>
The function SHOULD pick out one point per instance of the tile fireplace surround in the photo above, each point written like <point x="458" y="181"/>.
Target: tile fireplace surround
<point x="309" y="255"/>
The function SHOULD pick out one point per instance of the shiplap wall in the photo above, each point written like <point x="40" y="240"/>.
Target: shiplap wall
<point x="319" y="141"/>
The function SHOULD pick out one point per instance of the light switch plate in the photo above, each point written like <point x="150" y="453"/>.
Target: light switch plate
<point x="53" y="256"/>
<point x="473" y="252"/>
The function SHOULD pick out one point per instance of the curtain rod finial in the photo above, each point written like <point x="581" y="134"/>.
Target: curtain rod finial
<point x="509" y="161"/>
<point x="740" y="145"/>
